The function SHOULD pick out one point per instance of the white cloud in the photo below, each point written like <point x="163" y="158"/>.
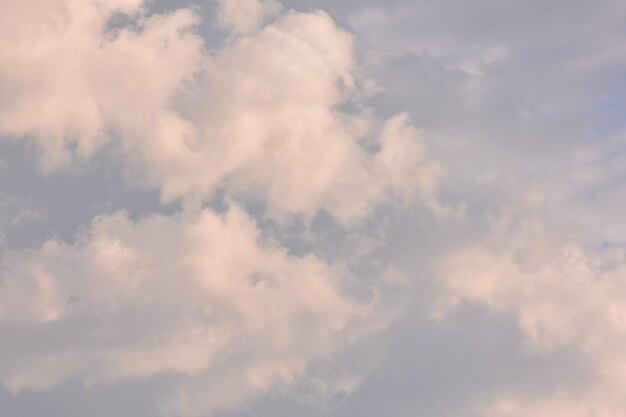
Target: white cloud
<point x="259" y="115"/>
<point x="563" y="295"/>
<point x="242" y="16"/>
<point x="264" y="119"/>
<point x="605" y="402"/>
<point x="69" y="83"/>
<point x="197" y="294"/>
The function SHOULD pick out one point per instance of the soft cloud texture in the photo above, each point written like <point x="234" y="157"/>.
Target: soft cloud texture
<point x="71" y="81"/>
<point x="243" y="16"/>
<point x="248" y="208"/>
<point x="197" y="294"/>
<point x="241" y="116"/>
<point x="562" y="296"/>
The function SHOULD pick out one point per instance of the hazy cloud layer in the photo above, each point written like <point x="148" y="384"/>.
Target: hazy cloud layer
<point x="246" y="207"/>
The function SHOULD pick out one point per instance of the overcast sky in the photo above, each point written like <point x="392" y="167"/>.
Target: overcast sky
<point x="335" y="208"/>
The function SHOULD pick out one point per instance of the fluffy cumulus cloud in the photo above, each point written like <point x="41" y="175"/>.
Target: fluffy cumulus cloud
<point x="71" y="79"/>
<point x="245" y="15"/>
<point x="563" y="293"/>
<point x="313" y="175"/>
<point x="196" y="294"/>
<point x="199" y="294"/>
<point x="256" y="115"/>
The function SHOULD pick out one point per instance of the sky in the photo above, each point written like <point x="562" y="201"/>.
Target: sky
<point x="312" y="208"/>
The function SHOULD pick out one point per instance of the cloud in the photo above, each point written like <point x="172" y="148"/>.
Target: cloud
<point x="200" y="295"/>
<point x="562" y="294"/>
<point x="70" y="80"/>
<point x="243" y="16"/>
<point x="197" y="294"/>
<point x="275" y="110"/>
<point x="265" y="115"/>
<point x="257" y="116"/>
